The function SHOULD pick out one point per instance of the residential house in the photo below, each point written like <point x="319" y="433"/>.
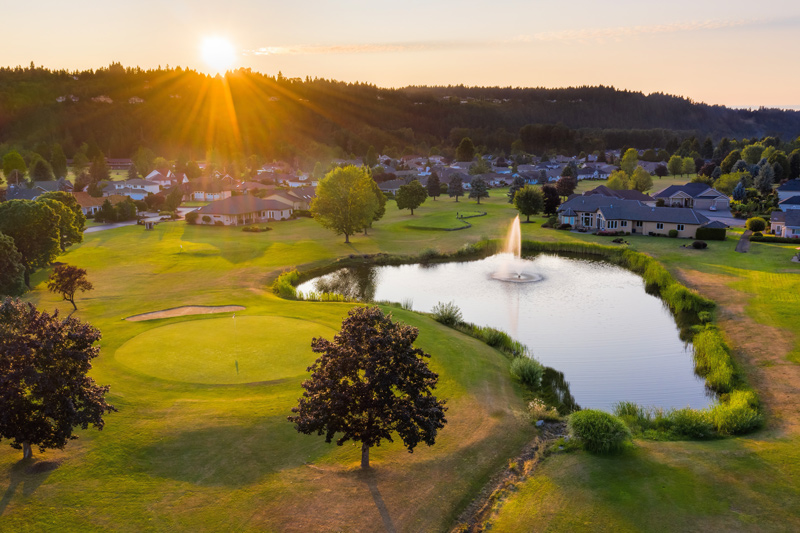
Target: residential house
<point x="789" y="195"/>
<point x="136" y="189"/>
<point x="246" y="209"/>
<point x="208" y="190"/>
<point x="602" y="213"/>
<point x="793" y="202"/>
<point x="628" y="194"/>
<point x="32" y="190"/>
<point x="91" y="205"/>
<point x="299" y="198"/>
<point x="786" y="223"/>
<point x="695" y="194"/>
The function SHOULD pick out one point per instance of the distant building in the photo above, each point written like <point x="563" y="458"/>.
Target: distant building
<point x="242" y="210"/>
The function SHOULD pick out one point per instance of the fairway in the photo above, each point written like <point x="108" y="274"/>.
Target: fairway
<point x="265" y="348"/>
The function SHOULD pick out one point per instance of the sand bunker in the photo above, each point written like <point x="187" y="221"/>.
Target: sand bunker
<point x="184" y="311"/>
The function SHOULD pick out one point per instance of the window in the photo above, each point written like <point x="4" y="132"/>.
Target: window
<point x="660" y="226"/>
<point x="587" y="219"/>
<point x="680" y="227"/>
<point x="638" y="223"/>
<point x="611" y="224"/>
<point x="624" y="223"/>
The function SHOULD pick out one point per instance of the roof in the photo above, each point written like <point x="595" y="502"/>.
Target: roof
<point x="239" y="205"/>
<point x="694" y="189"/>
<point x="623" y="195"/>
<point x="793" y="200"/>
<point x="16" y="192"/>
<point x="790" y="218"/>
<point x="791" y="185"/>
<point x="716" y="224"/>
<point x="85" y="199"/>
<point x="620" y="209"/>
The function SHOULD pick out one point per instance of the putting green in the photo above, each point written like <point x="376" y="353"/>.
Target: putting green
<point x="265" y="348"/>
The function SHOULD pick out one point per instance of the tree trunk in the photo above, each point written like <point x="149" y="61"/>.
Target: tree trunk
<point x="456" y="199"/>
<point x="27" y="278"/>
<point x="72" y="301"/>
<point x="528" y="219"/>
<point x="364" y="456"/>
<point x="412" y="212"/>
<point x="346" y="238"/>
<point x="27" y="452"/>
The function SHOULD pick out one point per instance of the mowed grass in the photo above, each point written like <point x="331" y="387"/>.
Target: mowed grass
<point x="229" y="350"/>
<point x="191" y="456"/>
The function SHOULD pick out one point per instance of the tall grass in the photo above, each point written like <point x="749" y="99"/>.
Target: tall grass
<point x="712" y="360"/>
<point x="284" y="285"/>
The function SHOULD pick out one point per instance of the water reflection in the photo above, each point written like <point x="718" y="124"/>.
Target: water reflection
<point x="592" y="322"/>
<point x="555" y="391"/>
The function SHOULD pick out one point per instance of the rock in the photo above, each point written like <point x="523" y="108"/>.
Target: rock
<point x="539" y="423"/>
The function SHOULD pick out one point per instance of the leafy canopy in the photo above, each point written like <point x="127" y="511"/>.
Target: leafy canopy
<point x="369" y="384"/>
<point x="411" y="196"/>
<point x="345" y="201"/>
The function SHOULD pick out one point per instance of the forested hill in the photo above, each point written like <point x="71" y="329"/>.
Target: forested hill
<point x="174" y="111"/>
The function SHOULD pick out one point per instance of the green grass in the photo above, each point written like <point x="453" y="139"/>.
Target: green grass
<point x="187" y="455"/>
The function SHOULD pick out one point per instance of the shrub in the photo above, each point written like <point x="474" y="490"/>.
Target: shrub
<point x="565" y="226"/>
<point x="494" y="337"/>
<point x="739" y="414"/>
<point x="528" y="371"/>
<point x="429" y="254"/>
<point x="599" y="431"/>
<point x="302" y="213"/>
<point x="756" y="224"/>
<point x="447" y="313"/>
<point x="284" y="285"/>
<point x="758" y="234"/>
<point x="692" y="423"/>
<point x="710" y="234"/>
<point x="712" y="360"/>
<point x="540" y="411"/>
<point x="219" y="223"/>
<point x="699" y="245"/>
<point x="191" y="217"/>
<point x="206" y="219"/>
<point x="673" y="233"/>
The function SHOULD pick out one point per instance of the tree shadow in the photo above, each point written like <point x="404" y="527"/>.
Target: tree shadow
<point x="228" y="245"/>
<point x="228" y="455"/>
<point x="369" y="479"/>
<point x="30" y="474"/>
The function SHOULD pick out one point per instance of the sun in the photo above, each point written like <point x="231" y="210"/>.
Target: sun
<point x="218" y="53"/>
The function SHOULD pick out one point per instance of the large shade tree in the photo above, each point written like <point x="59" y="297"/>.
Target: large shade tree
<point x="529" y="200"/>
<point x="14" y="167"/>
<point x="45" y="391"/>
<point x="411" y="196"/>
<point x="72" y="220"/>
<point x="345" y="201"/>
<point x="12" y="271"/>
<point x="34" y="227"/>
<point x="369" y="384"/>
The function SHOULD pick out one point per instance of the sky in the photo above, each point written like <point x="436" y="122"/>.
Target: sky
<point x="731" y="52"/>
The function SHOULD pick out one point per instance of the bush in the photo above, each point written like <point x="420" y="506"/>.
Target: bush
<point x="284" y="286"/>
<point x="691" y="423"/>
<point x="219" y="223"/>
<point x="429" y="254"/>
<point x="673" y="233"/>
<point x="540" y="411"/>
<point x="758" y="234"/>
<point x="528" y="371"/>
<point x="711" y="234"/>
<point x="756" y="224"/>
<point x="599" y="431"/>
<point x="302" y="213"/>
<point x="739" y="414"/>
<point x="565" y="226"/>
<point x="776" y="240"/>
<point x="206" y="219"/>
<point x="191" y="217"/>
<point x="447" y="313"/>
<point x="699" y="245"/>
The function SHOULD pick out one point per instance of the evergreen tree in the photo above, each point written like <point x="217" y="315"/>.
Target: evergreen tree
<point x="465" y="150"/>
<point x="516" y="185"/>
<point x="478" y="189"/>
<point x="455" y="188"/>
<point x="434" y="186"/>
<point x="58" y="161"/>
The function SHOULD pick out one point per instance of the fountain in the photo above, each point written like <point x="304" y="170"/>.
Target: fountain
<point x="511" y="268"/>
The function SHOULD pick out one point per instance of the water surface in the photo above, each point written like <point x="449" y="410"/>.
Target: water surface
<point x="589" y="320"/>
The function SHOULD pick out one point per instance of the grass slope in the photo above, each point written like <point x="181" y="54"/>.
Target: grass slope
<point x="183" y="455"/>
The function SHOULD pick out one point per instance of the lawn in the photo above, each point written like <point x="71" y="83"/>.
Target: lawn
<point x="196" y="446"/>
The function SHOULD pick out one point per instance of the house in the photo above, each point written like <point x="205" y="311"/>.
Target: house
<point x="785" y="223"/>
<point x="602" y="213"/>
<point x="32" y="190"/>
<point x="695" y="194"/>
<point x="299" y="198"/>
<point x="628" y="194"/>
<point x="239" y="210"/>
<point x="208" y="190"/>
<point x="790" y="203"/>
<point x="391" y="186"/>
<point x="136" y="189"/>
<point x="789" y="189"/>
<point x="250" y="187"/>
<point x="91" y="205"/>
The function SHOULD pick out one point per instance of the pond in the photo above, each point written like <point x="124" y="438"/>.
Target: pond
<point x="606" y="339"/>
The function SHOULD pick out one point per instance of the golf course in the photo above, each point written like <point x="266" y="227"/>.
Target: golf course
<point x="201" y="440"/>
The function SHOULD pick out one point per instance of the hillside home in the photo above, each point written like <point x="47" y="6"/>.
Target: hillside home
<point x="136" y="189"/>
<point x="241" y="210"/>
<point x="91" y="205"/>
<point x="208" y="190"/>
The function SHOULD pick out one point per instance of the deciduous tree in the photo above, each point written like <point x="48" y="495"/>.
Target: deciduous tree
<point x="629" y="161"/>
<point x="12" y="271"/>
<point x="45" y="391"/>
<point x="369" y="384"/>
<point x="729" y="161"/>
<point x="529" y="200"/>
<point x="551" y="200"/>
<point x="72" y="221"/>
<point x="66" y="280"/>
<point x="345" y="202"/>
<point x="566" y="185"/>
<point x="688" y="166"/>
<point x="618" y="181"/>
<point x="675" y="165"/>
<point x="380" y="208"/>
<point x="410" y="196"/>
<point x="641" y="180"/>
<point x="14" y="167"/>
<point x="34" y="227"/>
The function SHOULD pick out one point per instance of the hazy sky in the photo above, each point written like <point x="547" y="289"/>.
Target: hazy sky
<point x="721" y="52"/>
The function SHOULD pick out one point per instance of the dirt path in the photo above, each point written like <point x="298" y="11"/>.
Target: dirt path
<point x="185" y="311"/>
<point x="760" y="348"/>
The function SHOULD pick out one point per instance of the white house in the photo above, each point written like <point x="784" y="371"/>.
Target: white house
<point x="241" y="210"/>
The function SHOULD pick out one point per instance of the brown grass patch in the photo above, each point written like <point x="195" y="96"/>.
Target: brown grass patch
<point x="185" y="311"/>
<point x="760" y="348"/>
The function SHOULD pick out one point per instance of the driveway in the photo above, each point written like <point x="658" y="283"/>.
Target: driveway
<point x="149" y="217"/>
<point x="724" y="216"/>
